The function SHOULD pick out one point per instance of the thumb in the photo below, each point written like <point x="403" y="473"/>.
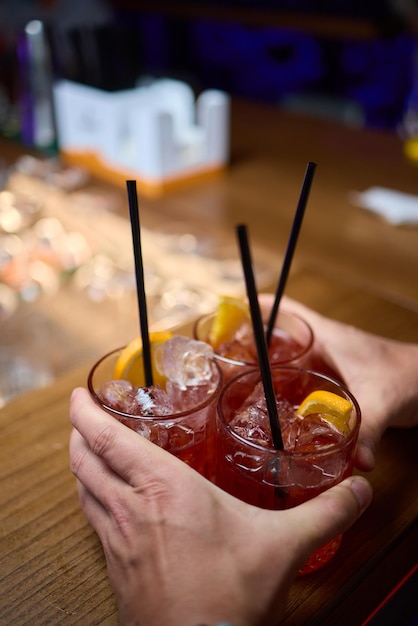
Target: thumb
<point x="332" y="512"/>
<point x="365" y="455"/>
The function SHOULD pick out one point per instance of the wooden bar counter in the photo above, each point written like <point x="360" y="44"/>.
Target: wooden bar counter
<point x="349" y="264"/>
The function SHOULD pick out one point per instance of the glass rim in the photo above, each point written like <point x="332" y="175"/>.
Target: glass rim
<point x="285" y="362"/>
<point x="172" y="416"/>
<point x="271" y="449"/>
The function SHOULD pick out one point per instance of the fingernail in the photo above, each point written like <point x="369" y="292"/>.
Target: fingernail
<point x="362" y="491"/>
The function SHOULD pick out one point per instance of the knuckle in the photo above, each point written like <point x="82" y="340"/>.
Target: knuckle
<point x="102" y="441"/>
<point x="76" y="462"/>
<point x="122" y="516"/>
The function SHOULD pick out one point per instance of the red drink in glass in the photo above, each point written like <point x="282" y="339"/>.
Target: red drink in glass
<point x="291" y="343"/>
<point x="316" y="455"/>
<point x="185" y="423"/>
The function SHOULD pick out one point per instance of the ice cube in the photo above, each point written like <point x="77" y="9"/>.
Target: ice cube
<point x="237" y="351"/>
<point x="185" y="361"/>
<point x="316" y="432"/>
<point x="252" y="420"/>
<point x="152" y="401"/>
<point x="125" y="397"/>
<point x="118" y="394"/>
<point x="188" y="398"/>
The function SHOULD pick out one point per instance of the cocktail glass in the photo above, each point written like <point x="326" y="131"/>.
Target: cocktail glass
<point x="291" y="343"/>
<point x="187" y="431"/>
<point x="316" y="454"/>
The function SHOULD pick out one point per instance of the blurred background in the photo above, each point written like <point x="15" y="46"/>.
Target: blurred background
<point x="355" y="62"/>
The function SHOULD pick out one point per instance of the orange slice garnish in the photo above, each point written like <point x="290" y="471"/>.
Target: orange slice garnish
<point x="129" y="365"/>
<point x="230" y="315"/>
<point x="333" y="408"/>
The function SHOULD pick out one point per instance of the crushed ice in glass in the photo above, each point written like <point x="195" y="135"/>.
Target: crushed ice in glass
<point x="150" y="401"/>
<point x="241" y="347"/>
<point x="315" y="431"/>
<point x="122" y="396"/>
<point x="252" y="420"/>
<point x="119" y="394"/>
<point x="192" y="378"/>
<point x="299" y="434"/>
<point x="184" y="361"/>
<point x="237" y="351"/>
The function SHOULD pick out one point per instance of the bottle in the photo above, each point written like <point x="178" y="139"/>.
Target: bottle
<point x="36" y="105"/>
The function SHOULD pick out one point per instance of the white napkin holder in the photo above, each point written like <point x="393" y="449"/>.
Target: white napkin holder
<point x="158" y="134"/>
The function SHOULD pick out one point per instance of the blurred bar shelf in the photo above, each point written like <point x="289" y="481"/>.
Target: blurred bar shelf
<point x="310" y="22"/>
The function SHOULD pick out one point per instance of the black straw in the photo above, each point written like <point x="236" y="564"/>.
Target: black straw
<point x="260" y="338"/>
<point x="139" y="275"/>
<point x="294" y="234"/>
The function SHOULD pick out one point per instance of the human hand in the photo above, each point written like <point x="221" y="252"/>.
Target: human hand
<point x="179" y="550"/>
<point x="381" y="373"/>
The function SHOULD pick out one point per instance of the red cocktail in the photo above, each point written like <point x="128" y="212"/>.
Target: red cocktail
<point x="178" y="413"/>
<point x="291" y="343"/>
<point x="318" y="446"/>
